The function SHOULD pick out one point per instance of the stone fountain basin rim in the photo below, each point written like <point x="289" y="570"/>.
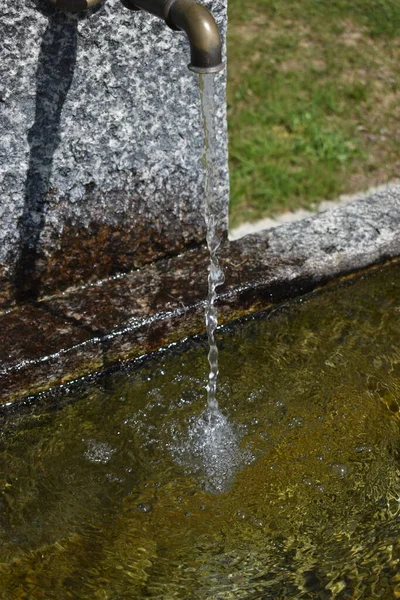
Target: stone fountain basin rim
<point x="82" y="331"/>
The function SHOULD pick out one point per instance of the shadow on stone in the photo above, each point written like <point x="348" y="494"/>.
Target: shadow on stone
<point x="53" y="79"/>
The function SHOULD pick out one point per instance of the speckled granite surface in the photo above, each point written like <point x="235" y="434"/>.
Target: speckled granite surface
<point x="59" y="339"/>
<point x="100" y="145"/>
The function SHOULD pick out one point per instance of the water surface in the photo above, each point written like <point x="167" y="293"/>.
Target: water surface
<point x="104" y="495"/>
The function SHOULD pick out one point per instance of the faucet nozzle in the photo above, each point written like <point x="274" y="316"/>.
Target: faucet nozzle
<point x="197" y="22"/>
<point x="199" y="25"/>
<point x="184" y="15"/>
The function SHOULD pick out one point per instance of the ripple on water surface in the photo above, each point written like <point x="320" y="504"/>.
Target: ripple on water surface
<point x="126" y="489"/>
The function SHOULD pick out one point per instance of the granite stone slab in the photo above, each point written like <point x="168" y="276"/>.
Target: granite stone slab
<point x="100" y="145"/>
<point x="67" y="336"/>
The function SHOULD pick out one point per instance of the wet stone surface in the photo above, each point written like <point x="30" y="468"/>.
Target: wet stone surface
<point x="61" y="338"/>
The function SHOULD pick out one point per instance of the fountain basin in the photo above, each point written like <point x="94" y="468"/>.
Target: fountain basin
<point x="110" y="488"/>
<point x="87" y="329"/>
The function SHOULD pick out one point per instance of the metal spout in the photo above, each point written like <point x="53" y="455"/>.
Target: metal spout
<point x="182" y="15"/>
<point x="197" y="22"/>
<point x="203" y="34"/>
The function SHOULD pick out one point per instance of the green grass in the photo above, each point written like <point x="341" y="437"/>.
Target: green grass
<point x="313" y="101"/>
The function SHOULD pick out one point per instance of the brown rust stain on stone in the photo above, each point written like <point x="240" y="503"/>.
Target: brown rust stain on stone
<point x="84" y="255"/>
<point x="100" y="251"/>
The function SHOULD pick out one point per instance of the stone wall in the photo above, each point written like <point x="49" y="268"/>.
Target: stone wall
<point x="100" y="145"/>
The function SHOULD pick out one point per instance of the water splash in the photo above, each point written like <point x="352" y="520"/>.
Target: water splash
<point x="214" y="446"/>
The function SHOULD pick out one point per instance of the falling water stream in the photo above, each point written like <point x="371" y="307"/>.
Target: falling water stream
<point x="212" y="440"/>
<point x="215" y="272"/>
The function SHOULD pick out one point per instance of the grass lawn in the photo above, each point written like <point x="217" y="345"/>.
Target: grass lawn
<point x="313" y="101"/>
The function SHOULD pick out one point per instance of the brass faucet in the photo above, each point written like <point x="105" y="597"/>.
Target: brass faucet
<point x="181" y="15"/>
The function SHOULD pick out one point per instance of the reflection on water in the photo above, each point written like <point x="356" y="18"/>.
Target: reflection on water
<point x="108" y="491"/>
